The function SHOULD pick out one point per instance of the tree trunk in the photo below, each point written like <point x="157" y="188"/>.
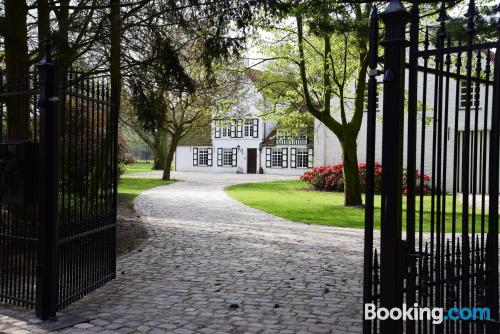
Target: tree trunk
<point x="160" y="150"/>
<point x="352" y="187"/>
<point x="16" y="59"/>
<point x="170" y="156"/>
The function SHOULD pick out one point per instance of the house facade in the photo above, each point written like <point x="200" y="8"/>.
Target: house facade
<point x="246" y="144"/>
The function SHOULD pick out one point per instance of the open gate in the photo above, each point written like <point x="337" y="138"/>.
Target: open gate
<point x="438" y="244"/>
<point x="58" y="178"/>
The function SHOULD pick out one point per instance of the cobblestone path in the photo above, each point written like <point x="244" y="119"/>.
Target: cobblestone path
<point x="213" y="265"/>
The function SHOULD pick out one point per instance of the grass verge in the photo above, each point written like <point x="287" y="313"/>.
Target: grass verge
<point x="291" y="200"/>
<point x="138" y="168"/>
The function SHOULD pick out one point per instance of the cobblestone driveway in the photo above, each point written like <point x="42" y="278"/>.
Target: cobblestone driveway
<point x="213" y="265"/>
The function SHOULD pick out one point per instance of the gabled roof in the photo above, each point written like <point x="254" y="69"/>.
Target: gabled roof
<point x="197" y="136"/>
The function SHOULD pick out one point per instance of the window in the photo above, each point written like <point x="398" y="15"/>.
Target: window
<point x="302" y="158"/>
<point x="203" y="157"/>
<point x="249" y="128"/>
<point x="463" y="94"/>
<point x="227" y="157"/>
<point x="226" y="132"/>
<point x="277" y="157"/>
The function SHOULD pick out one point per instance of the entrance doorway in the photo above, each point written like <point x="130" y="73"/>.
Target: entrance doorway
<point x="251" y="161"/>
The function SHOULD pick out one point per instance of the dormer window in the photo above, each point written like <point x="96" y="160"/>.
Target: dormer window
<point x="249" y="128"/>
<point x="236" y="128"/>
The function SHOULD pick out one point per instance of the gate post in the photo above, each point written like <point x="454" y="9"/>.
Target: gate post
<point x="370" y="166"/>
<point x="392" y="254"/>
<point x="46" y="305"/>
<point x="492" y="293"/>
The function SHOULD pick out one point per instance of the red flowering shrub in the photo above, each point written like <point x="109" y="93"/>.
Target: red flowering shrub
<point x="331" y="178"/>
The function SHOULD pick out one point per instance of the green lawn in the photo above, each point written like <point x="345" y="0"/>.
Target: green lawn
<point x="291" y="200"/>
<point x="130" y="188"/>
<point x="138" y="168"/>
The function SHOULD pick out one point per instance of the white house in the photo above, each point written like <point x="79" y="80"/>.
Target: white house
<point x="248" y="144"/>
<point x="328" y="151"/>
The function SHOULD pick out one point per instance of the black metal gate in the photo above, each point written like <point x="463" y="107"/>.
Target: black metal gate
<point x="438" y="244"/>
<point x="58" y="174"/>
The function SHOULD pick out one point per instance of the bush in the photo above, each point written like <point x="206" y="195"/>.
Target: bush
<point x="331" y="178"/>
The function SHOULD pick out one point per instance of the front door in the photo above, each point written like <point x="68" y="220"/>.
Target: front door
<point x="252" y="161"/>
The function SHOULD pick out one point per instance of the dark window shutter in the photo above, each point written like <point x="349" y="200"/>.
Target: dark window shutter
<point x="256" y="128"/>
<point x="235" y="157"/>
<point x="268" y="157"/>
<point x="195" y="157"/>
<point x="239" y="131"/>
<point x="219" y="157"/>
<point x="210" y="157"/>
<point x="293" y="158"/>
<point x="232" y="128"/>
<point x="217" y="129"/>
<point x="285" y="158"/>
<point x="310" y="158"/>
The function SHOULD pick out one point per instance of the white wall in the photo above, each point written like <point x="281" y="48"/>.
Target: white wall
<point x="184" y="159"/>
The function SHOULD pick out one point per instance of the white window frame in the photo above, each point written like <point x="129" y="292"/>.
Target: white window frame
<point x="203" y="154"/>
<point x="279" y="157"/>
<point x="302" y="159"/>
<point x="227" y="157"/>
<point x="249" y="128"/>
<point x="276" y="157"/>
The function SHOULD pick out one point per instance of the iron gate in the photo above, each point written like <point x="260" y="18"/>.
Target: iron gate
<point x="58" y="174"/>
<point x="438" y="244"/>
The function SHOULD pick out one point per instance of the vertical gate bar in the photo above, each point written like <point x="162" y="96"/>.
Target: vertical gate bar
<point x="392" y="268"/>
<point x="445" y="249"/>
<point x="456" y="162"/>
<point x="422" y="299"/>
<point x="476" y="92"/>
<point x="487" y="72"/>
<point x="370" y="165"/>
<point x="465" y="300"/>
<point x="48" y="263"/>
<point x="412" y="159"/>
<point x="492" y="238"/>
<point x="437" y="159"/>
<point x="116" y="81"/>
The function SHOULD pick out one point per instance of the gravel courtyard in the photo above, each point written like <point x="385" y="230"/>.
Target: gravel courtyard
<point x="213" y="265"/>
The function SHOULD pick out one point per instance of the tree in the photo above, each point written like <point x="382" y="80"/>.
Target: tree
<point x="17" y="63"/>
<point x="166" y="105"/>
<point x="319" y="65"/>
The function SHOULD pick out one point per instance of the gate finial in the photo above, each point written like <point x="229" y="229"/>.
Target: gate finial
<point x="395" y="6"/>
<point x="374" y="13"/>
<point x="443" y="17"/>
<point x="471" y="15"/>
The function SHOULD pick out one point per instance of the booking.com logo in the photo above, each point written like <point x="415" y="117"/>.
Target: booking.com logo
<point x="436" y="314"/>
